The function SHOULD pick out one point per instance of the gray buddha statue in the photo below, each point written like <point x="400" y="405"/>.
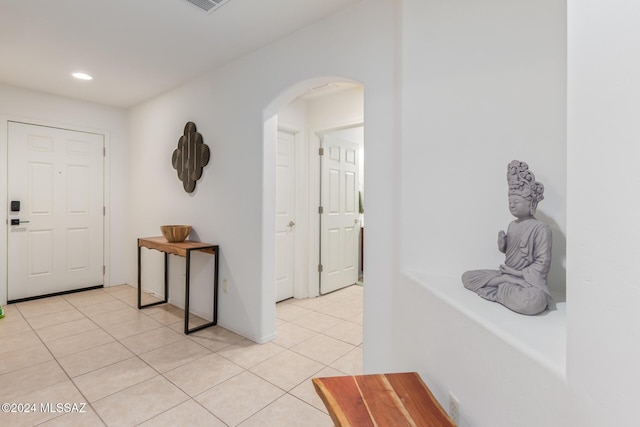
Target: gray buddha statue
<point x="519" y="284"/>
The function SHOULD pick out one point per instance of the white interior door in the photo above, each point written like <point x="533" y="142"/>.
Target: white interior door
<point x="57" y="176"/>
<point x="285" y="215"/>
<point x="340" y="225"/>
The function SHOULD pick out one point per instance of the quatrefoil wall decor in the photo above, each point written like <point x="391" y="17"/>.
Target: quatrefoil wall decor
<point x="190" y="157"/>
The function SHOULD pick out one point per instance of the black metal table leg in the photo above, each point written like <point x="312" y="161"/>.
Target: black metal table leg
<point x="188" y="330"/>
<point x="166" y="282"/>
<point x="139" y="278"/>
<point x="187" y="291"/>
<point x="166" y="277"/>
<point x="215" y="287"/>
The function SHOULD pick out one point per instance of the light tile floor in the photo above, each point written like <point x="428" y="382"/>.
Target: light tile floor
<point x="136" y="367"/>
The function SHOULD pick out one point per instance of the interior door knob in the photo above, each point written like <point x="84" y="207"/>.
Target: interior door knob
<point x="291" y="224"/>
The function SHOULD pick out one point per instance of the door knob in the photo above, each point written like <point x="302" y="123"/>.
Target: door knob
<point x="17" y="222"/>
<point x="291" y="224"/>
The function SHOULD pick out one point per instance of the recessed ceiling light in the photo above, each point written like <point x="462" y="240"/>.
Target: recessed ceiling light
<point x="82" y="76"/>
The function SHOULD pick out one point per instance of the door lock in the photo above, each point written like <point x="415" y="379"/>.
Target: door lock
<point x="16" y="221"/>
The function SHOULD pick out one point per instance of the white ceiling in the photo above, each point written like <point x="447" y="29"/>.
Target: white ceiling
<point x="137" y="49"/>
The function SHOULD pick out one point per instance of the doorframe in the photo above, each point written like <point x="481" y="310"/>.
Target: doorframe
<point x="316" y="137"/>
<point x="4" y="196"/>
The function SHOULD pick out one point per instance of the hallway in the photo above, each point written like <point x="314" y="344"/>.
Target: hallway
<point x="136" y="367"/>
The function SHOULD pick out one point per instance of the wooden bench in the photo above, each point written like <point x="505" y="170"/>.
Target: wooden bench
<point x="381" y="400"/>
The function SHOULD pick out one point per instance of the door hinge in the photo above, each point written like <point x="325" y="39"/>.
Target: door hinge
<point x="320" y="268"/>
<point x="104" y="211"/>
<point x="104" y="270"/>
<point x="321" y="151"/>
<point x="104" y="151"/>
<point x="320" y="210"/>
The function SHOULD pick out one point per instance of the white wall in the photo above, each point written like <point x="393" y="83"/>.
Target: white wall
<point x="603" y="226"/>
<point x="41" y="108"/>
<point x="483" y="83"/>
<point x="229" y="107"/>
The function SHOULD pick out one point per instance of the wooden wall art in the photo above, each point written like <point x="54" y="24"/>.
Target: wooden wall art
<point x="190" y="157"/>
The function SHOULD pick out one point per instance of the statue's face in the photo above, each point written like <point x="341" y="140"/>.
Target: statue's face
<point x="519" y="207"/>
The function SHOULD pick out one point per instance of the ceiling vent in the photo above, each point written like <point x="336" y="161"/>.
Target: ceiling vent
<point x="207" y="6"/>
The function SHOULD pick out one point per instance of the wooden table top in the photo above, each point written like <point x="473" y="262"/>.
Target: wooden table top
<point x="176" y="248"/>
<point x="381" y="400"/>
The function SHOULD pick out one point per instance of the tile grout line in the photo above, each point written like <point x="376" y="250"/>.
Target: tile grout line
<point x="55" y="358"/>
<point x="322" y="365"/>
<point x="137" y="356"/>
<point x="160" y="374"/>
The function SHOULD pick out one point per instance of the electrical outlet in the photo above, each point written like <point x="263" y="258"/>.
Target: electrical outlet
<point x="454" y="408"/>
<point x="225" y="285"/>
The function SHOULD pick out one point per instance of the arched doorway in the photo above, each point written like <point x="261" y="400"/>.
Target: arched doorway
<point x="319" y="196"/>
<point x="303" y="117"/>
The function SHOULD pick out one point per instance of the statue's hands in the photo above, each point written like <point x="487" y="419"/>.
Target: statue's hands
<point x="502" y="241"/>
<point x="505" y="269"/>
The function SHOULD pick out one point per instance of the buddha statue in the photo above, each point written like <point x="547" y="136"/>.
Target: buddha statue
<point x="519" y="284"/>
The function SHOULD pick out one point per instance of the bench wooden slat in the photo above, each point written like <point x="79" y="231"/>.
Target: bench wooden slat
<point x="383" y="404"/>
<point x="418" y="400"/>
<point x="333" y="390"/>
<point x="381" y="400"/>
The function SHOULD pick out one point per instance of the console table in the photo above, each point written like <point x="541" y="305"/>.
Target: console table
<point x="383" y="400"/>
<point x="182" y="249"/>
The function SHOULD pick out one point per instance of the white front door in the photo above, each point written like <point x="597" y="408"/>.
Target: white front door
<point x="55" y="239"/>
<point x="340" y="225"/>
<point x="285" y="215"/>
